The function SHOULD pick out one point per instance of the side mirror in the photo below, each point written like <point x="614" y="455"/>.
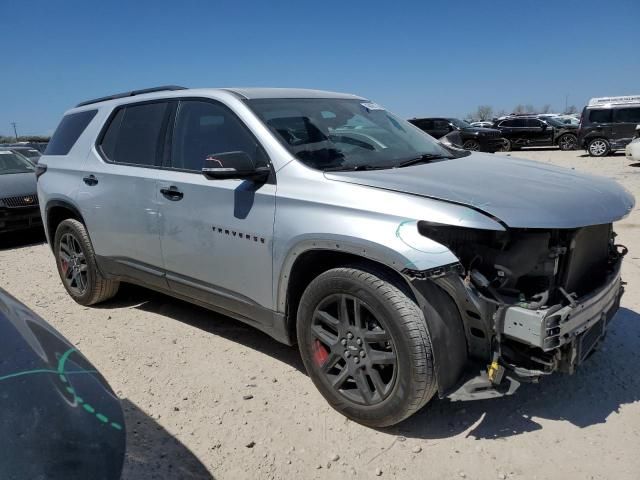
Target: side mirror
<point x="233" y="165"/>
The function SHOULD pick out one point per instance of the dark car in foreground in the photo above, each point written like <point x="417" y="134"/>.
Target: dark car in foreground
<point x="476" y="139"/>
<point x="59" y="418"/>
<point x="530" y="131"/>
<point x="18" y="197"/>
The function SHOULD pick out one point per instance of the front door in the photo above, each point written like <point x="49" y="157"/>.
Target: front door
<point x="540" y="132"/>
<point x="216" y="235"/>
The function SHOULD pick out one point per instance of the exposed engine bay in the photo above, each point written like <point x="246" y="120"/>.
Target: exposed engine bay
<point x="538" y="301"/>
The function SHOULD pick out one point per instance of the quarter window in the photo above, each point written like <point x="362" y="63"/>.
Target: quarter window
<point x="68" y="132"/>
<point x="203" y="129"/>
<point x="135" y="134"/>
<point x="628" y="115"/>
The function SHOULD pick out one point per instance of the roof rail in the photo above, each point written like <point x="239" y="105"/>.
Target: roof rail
<point x="132" y="93"/>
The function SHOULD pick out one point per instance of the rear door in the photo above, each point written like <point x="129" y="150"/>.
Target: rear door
<point x="216" y="235"/>
<point x="625" y="121"/>
<point x="119" y="195"/>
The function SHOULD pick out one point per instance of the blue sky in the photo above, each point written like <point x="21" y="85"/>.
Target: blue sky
<point x="412" y="57"/>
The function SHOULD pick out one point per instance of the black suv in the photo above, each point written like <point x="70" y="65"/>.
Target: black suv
<point x="520" y="131"/>
<point x="473" y="138"/>
<point x="608" y="124"/>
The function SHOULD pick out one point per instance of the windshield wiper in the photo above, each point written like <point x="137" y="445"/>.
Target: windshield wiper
<point x="356" y="168"/>
<point x="424" y="158"/>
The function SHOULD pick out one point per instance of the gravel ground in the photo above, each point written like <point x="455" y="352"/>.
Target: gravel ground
<point x="206" y="396"/>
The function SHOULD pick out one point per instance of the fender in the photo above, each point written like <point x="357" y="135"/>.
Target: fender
<point x="399" y="247"/>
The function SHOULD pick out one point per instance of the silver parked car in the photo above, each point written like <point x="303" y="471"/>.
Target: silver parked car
<point x="400" y="267"/>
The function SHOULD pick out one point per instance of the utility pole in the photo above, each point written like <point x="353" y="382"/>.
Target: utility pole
<point x="566" y="103"/>
<point x="14" y="130"/>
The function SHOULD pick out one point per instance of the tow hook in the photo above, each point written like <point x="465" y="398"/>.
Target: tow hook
<point x="495" y="372"/>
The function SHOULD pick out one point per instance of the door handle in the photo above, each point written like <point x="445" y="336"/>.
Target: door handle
<point x="90" y="180"/>
<point x="172" y="193"/>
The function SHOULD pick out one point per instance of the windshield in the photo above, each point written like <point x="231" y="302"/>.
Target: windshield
<point x="14" y="163"/>
<point x="459" y="123"/>
<point x="331" y="133"/>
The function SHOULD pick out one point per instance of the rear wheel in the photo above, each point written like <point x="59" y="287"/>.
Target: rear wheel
<point x="472" y="145"/>
<point x="365" y="345"/>
<point x="77" y="265"/>
<point x="567" y="142"/>
<point x="598" y="147"/>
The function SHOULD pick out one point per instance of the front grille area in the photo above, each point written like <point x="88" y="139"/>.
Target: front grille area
<point x="30" y="200"/>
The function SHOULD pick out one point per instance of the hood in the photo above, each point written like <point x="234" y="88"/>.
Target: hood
<point x="520" y="193"/>
<point x="14" y="184"/>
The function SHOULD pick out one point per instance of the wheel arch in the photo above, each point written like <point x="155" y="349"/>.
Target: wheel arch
<point x="56" y="212"/>
<point x="312" y="262"/>
<point x="442" y="316"/>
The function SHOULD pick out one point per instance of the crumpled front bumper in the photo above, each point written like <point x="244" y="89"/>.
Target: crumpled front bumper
<point x="553" y="327"/>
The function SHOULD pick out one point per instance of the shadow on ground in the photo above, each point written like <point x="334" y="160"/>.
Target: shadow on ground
<point x="606" y="382"/>
<point x="206" y="320"/>
<point x="153" y="453"/>
<point x="22" y="238"/>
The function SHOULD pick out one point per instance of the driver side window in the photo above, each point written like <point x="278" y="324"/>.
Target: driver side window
<point x="203" y="129"/>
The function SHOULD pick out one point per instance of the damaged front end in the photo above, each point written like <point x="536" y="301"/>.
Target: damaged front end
<point x="531" y="301"/>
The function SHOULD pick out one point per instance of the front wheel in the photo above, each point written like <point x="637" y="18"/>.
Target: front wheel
<point x="471" y="145"/>
<point x="567" y="142"/>
<point x="598" y="147"/>
<point x="365" y="345"/>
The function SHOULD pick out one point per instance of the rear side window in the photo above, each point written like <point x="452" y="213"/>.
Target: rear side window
<point x="135" y="134"/>
<point x="68" y="132"/>
<point x="627" y="115"/>
<point x="600" y="116"/>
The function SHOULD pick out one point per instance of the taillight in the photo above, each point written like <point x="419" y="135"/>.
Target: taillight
<point x="40" y="169"/>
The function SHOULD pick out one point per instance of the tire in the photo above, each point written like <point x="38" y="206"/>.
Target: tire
<point x="338" y="351"/>
<point x="77" y="267"/>
<point x="598" y="147"/>
<point x="567" y="142"/>
<point x="507" y="146"/>
<point x="471" y="145"/>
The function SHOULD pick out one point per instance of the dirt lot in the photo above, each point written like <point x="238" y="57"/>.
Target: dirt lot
<point x="182" y="372"/>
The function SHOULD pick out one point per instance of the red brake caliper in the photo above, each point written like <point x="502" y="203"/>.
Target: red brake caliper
<point x="320" y="353"/>
<point x="65" y="266"/>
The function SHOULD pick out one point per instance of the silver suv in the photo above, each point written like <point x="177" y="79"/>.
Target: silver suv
<point x="400" y="267"/>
